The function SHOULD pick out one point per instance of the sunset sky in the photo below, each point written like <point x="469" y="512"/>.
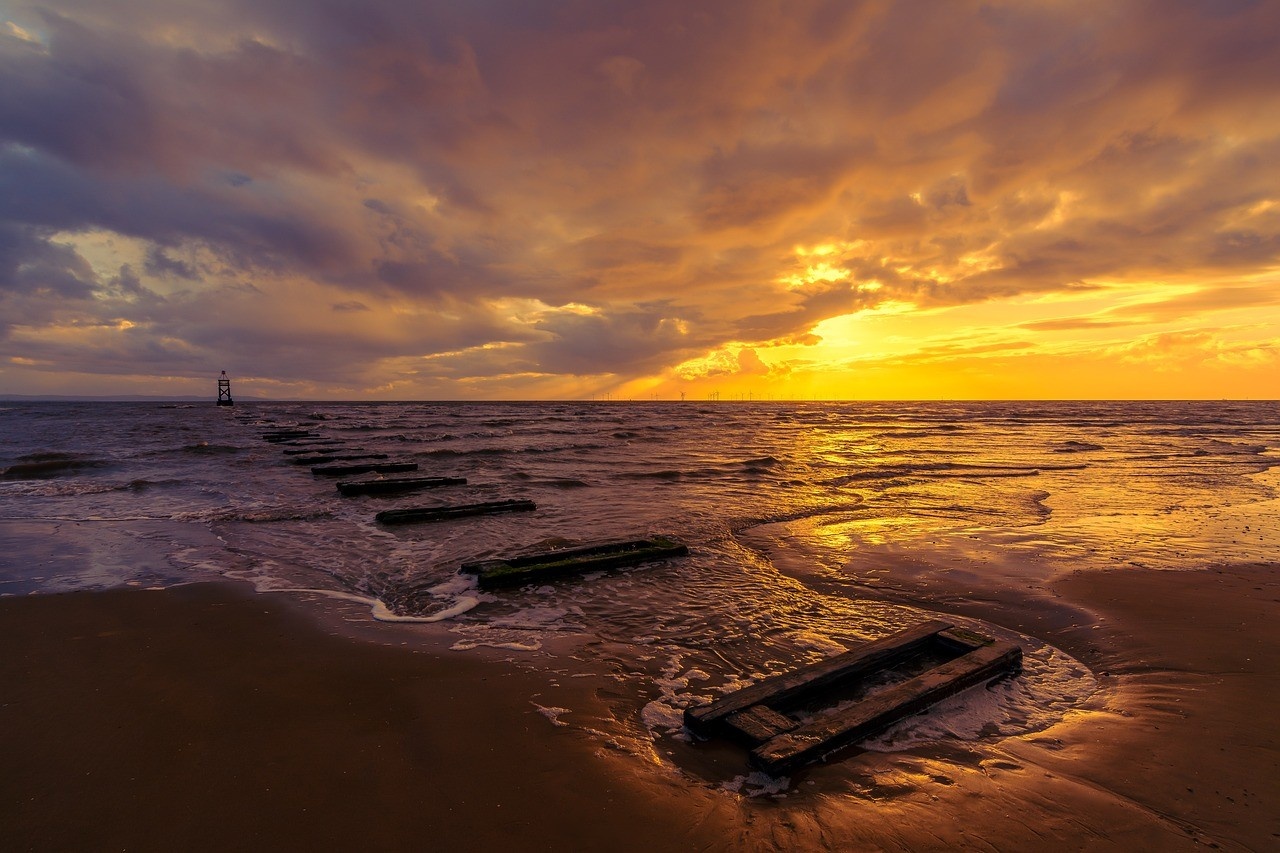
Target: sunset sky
<point x="510" y="199"/>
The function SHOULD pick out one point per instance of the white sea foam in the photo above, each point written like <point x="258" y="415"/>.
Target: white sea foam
<point x="552" y="714"/>
<point x="462" y="605"/>
<point x="513" y="645"/>
<point x="661" y="715"/>
<point x="758" y="784"/>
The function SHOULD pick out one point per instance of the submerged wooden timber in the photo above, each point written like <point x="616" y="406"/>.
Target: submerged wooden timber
<point x="763" y="715"/>
<point x="514" y="571"/>
<point x="370" y="468"/>
<point x="415" y="515"/>
<point x="302" y="448"/>
<point x="403" y="484"/>
<point x="340" y="457"/>
<point x="287" y="435"/>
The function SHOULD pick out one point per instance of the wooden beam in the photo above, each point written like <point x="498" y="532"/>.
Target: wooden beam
<point x="796" y="685"/>
<point x="878" y="711"/>
<point x="338" y="457"/>
<point x="404" y="484"/>
<point x="415" y="515"/>
<point x="759" y="723"/>
<point x="514" y="571"/>
<point x="287" y="435"/>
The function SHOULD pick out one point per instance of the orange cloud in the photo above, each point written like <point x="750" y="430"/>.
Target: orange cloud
<point x="435" y="182"/>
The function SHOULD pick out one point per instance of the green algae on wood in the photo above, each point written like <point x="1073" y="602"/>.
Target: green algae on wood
<point x="514" y="571"/>
<point x="762" y="715"/>
<point x="414" y="515"/>
<point x="877" y="712"/>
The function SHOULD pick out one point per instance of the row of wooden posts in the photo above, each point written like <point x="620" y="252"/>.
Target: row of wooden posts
<point x="774" y="718"/>
<point x="328" y="457"/>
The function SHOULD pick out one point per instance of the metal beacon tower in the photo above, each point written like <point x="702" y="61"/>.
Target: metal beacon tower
<point x="224" y="390"/>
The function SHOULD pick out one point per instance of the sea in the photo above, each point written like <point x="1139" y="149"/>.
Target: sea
<point x="807" y="524"/>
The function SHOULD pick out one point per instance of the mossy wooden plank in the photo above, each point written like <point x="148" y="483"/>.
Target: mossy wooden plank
<point x="514" y="571"/>
<point x="386" y="487"/>
<point x="371" y="468"/>
<point x="759" y="723"/>
<point x="880" y="710"/>
<point x="963" y="640"/>
<point x="414" y="515"/>
<point x="806" y="681"/>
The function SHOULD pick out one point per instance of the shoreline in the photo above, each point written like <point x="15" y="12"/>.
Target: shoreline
<point x="1187" y="664"/>
<point x="216" y="716"/>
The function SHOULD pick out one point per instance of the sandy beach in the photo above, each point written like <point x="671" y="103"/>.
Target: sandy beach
<point x="215" y="718"/>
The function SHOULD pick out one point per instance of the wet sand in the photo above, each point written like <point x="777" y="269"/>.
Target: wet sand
<point x="206" y="717"/>
<point x="211" y="718"/>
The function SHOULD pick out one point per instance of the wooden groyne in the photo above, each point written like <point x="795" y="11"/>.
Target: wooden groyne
<point x="787" y="720"/>
<point x="760" y="714"/>
<point x="341" y="457"/>
<point x="416" y="515"/>
<point x="513" y="571"/>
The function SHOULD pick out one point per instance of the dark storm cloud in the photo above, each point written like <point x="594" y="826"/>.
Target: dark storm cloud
<point x="49" y="195"/>
<point x="29" y="264"/>
<point x="639" y="339"/>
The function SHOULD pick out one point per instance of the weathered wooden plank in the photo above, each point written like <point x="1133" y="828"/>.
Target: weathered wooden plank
<point x="415" y="515"/>
<point x="880" y="710"/>
<point x="759" y="723"/>
<point x="302" y="448"/>
<point x="371" y="468"/>
<point x="406" y="484"/>
<point x="962" y="640"/>
<point x="341" y="457"/>
<point x="514" y="571"/>
<point x="808" y="680"/>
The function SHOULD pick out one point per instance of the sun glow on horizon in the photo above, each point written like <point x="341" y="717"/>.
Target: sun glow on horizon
<point x="752" y="201"/>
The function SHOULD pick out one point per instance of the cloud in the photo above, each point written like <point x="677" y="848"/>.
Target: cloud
<point x="481" y="168"/>
<point x="349" y="306"/>
<point x="1173" y="351"/>
<point x="1179" y="307"/>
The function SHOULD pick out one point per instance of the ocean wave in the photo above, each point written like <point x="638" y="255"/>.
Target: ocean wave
<point x="945" y="470"/>
<point x="1073" y="446"/>
<point x="761" y="462"/>
<point x="142" y="484"/>
<point x="259" y="515"/>
<point x="46" y="465"/>
<point x="735" y="526"/>
<point x="666" y="474"/>
<point x="53" y="488"/>
<point x="454" y="452"/>
<point x="566" y="483"/>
